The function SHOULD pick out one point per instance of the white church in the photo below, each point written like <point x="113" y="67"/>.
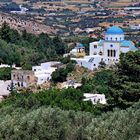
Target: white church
<point x="107" y="50"/>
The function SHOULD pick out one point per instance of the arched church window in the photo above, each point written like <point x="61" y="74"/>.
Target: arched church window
<point x="116" y="38"/>
<point x="111" y="38"/>
<point x="120" y="38"/>
<point x="111" y="53"/>
<point x="114" y="53"/>
<point x="108" y="54"/>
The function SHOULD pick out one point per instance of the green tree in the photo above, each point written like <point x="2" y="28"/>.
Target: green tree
<point x="59" y="75"/>
<point x="5" y="73"/>
<point x="59" y="45"/>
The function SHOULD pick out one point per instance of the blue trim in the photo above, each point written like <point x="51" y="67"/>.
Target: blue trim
<point x="128" y="43"/>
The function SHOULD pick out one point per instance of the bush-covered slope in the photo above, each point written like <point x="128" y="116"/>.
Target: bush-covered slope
<point x="56" y="124"/>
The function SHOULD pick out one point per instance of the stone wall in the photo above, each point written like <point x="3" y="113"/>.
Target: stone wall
<point x="23" y="78"/>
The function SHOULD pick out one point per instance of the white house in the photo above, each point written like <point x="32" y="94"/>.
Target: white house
<point x="22" y="10"/>
<point x="44" y="71"/>
<point x="70" y="83"/>
<point x="3" y="88"/>
<point x="95" y="98"/>
<point x="135" y="27"/>
<point x="107" y="50"/>
<point x="8" y="66"/>
<point x="37" y="76"/>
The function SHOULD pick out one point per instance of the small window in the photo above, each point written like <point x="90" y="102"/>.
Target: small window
<point x="14" y="76"/>
<point x="21" y="84"/>
<point x="94" y="53"/>
<point x="18" y="84"/>
<point x="95" y="46"/>
<point x="100" y="53"/>
<point x="34" y="69"/>
<point x="111" y="38"/>
<point x="111" y="45"/>
<point x="116" y="39"/>
<point x="28" y="77"/>
<point x="94" y="65"/>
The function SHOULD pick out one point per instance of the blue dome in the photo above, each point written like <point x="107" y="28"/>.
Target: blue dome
<point x="114" y="30"/>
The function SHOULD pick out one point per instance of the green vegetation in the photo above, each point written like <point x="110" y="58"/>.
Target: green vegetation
<point x="55" y="124"/>
<point x="27" y="49"/>
<point x="68" y="99"/>
<point x="60" y="74"/>
<point x="121" y="86"/>
<point x="122" y="89"/>
<point x="5" y="73"/>
<point x="62" y="114"/>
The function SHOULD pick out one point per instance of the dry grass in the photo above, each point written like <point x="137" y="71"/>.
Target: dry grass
<point x="79" y="73"/>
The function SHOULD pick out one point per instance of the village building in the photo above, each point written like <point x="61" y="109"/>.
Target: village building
<point x="37" y="76"/>
<point x="23" y="78"/>
<point x="22" y="10"/>
<point x="95" y="98"/>
<point x="70" y="83"/>
<point x="9" y="66"/>
<point x="107" y="50"/>
<point x="4" y="91"/>
<point x="135" y="27"/>
<point x="44" y="71"/>
<point x="78" y="51"/>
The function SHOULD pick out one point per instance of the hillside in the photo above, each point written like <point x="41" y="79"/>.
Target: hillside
<point x="68" y="17"/>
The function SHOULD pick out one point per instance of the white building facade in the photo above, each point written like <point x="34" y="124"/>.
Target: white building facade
<point x="107" y="50"/>
<point x="95" y="98"/>
<point x="44" y="71"/>
<point x="37" y="76"/>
